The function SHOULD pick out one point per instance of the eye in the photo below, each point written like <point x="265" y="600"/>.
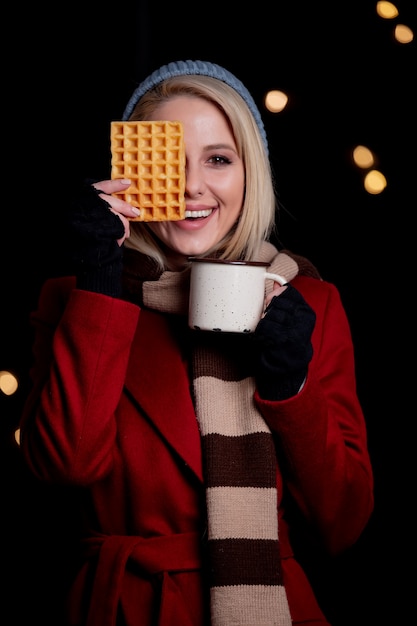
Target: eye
<point x="219" y="160"/>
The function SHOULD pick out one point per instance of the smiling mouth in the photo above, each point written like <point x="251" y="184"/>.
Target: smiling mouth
<point x="196" y="214"/>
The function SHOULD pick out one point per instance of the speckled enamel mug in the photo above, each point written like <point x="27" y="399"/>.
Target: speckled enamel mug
<point x="227" y="296"/>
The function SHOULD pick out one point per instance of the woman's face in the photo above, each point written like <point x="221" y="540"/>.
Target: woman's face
<point x="214" y="179"/>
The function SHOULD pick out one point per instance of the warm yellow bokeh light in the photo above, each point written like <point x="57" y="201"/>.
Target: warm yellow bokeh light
<point x="403" y="34"/>
<point x="17" y="436"/>
<point x="363" y="157"/>
<point x="276" y="101"/>
<point x="8" y="383"/>
<point x="387" y="10"/>
<point x="375" y="182"/>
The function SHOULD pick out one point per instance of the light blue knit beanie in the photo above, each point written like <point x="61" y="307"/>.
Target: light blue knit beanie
<point x="202" y="68"/>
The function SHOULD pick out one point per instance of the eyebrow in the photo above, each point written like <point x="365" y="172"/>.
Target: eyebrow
<point x="220" y="146"/>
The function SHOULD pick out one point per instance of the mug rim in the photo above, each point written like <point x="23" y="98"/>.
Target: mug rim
<point x="228" y="262"/>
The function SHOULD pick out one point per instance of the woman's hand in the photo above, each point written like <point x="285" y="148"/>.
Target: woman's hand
<point x="282" y="341"/>
<point x="117" y="206"/>
<point x="98" y="225"/>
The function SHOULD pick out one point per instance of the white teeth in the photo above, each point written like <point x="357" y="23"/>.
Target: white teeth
<point x="205" y="213"/>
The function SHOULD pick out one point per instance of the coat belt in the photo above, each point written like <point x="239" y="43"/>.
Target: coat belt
<point x="162" y="556"/>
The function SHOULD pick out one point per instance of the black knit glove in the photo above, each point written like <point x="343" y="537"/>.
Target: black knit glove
<point x="94" y="251"/>
<point x="282" y="345"/>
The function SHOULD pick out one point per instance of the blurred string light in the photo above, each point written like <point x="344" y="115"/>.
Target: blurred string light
<point x="374" y="181"/>
<point x="276" y="101"/>
<point x="403" y="34"/>
<point x="8" y="383"/>
<point x="363" y="157"/>
<point x="388" y="11"/>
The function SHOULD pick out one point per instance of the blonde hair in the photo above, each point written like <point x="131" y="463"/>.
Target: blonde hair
<point x="257" y="217"/>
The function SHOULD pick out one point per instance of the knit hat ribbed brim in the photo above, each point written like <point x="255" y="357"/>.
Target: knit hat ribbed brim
<point x="201" y="68"/>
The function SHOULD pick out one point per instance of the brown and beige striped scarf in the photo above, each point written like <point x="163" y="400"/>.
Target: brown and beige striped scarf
<point x="239" y="459"/>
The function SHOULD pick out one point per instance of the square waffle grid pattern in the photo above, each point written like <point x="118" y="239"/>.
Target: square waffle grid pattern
<point x="152" y="156"/>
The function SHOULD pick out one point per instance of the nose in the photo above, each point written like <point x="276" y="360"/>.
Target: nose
<point x="194" y="181"/>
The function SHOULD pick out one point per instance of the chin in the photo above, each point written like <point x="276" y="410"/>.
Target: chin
<point x="194" y="250"/>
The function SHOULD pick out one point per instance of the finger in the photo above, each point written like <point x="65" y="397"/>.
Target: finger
<point x="112" y="186"/>
<point x="118" y="205"/>
<point x="277" y="290"/>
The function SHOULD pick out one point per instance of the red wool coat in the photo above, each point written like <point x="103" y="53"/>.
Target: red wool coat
<point x="111" y="412"/>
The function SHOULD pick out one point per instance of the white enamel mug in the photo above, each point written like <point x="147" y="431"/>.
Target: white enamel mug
<point x="227" y="296"/>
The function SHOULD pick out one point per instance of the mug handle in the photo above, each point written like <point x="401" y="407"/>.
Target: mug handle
<point x="277" y="278"/>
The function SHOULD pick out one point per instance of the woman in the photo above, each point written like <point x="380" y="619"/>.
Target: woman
<point x="191" y="451"/>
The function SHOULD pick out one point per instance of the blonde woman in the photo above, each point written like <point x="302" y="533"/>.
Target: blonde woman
<point x="192" y="452"/>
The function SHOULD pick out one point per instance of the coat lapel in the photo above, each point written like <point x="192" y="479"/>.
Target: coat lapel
<point x="157" y="379"/>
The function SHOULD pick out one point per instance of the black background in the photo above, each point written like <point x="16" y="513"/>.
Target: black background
<point x="69" y="73"/>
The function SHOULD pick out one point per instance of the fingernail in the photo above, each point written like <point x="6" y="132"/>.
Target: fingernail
<point x="125" y="181"/>
<point x="135" y="211"/>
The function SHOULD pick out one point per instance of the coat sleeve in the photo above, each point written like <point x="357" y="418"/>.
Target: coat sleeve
<point x="321" y="432"/>
<point x="80" y="354"/>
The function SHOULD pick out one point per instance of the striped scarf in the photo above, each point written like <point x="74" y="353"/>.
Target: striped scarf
<point x="239" y="458"/>
<point x="241" y="493"/>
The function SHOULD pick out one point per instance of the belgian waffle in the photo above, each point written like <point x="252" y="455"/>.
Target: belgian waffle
<point x="152" y="156"/>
